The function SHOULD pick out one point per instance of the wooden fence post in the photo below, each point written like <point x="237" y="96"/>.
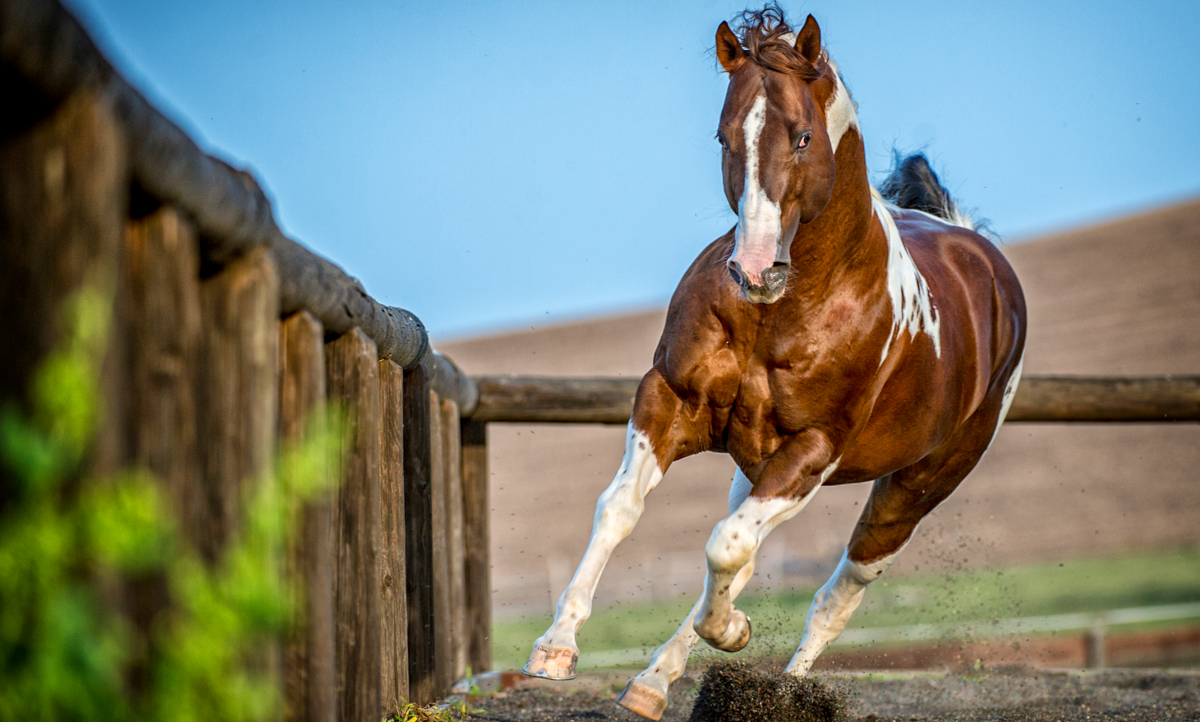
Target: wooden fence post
<point x="236" y="396"/>
<point x="63" y="199"/>
<point x="476" y="540"/>
<point x="443" y="657"/>
<point x="352" y="369"/>
<point x="163" y="306"/>
<point x="418" y="536"/>
<point x="393" y="593"/>
<point x="456" y="579"/>
<point x="308" y="663"/>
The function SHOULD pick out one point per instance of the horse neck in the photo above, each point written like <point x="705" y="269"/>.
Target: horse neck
<point x="842" y="241"/>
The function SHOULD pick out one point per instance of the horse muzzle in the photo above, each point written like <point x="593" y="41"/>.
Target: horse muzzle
<point x="774" y="282"/>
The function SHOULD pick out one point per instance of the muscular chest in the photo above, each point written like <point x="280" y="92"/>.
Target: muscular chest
<point x="754" y="390"/>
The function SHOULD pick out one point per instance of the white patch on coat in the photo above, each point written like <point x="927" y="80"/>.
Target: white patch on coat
<point x="840" y="114"/>
<point x="957" y="216"/>
<point x="833" y="606"/>
<point x="1010" y="390"/>
<point x="912" y="307"/>
<point x="760" y="223"/>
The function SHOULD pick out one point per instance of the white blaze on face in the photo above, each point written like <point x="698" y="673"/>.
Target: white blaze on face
<point x="759" y="225"/>
<point x="912" y="307"/>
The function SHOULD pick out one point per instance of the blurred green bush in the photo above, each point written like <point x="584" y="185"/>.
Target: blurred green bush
<point x="68" y="539"/>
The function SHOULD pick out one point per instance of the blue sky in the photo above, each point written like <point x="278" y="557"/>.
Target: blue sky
<point x="493" y="166"/>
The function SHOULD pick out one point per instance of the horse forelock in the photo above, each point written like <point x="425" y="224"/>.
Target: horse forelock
<point x="771" y="43"/>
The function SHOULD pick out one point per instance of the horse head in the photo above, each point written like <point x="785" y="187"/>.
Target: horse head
<point x="778" y="132"/>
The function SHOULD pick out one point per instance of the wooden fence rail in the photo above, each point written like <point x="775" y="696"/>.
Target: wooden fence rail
<point x="600" y="400"/>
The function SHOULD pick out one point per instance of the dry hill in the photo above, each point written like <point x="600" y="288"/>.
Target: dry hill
<point x="1117" y="298"/>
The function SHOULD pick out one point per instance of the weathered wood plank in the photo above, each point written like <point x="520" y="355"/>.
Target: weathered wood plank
<point x="308" y="673"/>
<point x="158" y="309"/>
<point x="476" y="541"/>
<point x="394" y="597"/>
<point x="443" y="657"/>
<point x="1039" y="398"/>
<point x="236" y="394"/>
<point x="163" y="307"/>
<point x="555" y="399"/>
<point x="418" y="536"/>
<point x="63" y="199"/>
<point x="352" y="378"/>
<point x="1107" y="398"/>
<point x="456" y="579"/>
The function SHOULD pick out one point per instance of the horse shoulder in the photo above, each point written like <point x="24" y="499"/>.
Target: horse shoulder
<point x="699" y="355"/>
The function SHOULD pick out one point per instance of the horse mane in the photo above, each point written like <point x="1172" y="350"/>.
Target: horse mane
<point x="771" y="42"/>
<point x="913" y="185"/>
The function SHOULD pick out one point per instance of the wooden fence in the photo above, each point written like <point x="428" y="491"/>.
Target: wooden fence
<point x="228" y="336"/>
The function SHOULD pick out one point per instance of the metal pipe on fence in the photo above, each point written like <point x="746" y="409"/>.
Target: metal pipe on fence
<point x="601" y="400"/>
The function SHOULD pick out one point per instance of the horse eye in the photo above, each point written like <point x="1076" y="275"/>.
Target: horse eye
<point x="803" y="141"/>
<point x="721" y="139"/>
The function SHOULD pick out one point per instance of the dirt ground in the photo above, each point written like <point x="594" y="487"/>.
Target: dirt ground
<point x="1008" y="693"/>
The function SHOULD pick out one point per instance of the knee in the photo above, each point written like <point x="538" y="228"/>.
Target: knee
<point x="619" y="506"/>
<point x="730" y="547"/>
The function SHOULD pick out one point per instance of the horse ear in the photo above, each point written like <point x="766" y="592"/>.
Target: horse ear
<point x="808" y="42"/>
<point x="729" y="49"/>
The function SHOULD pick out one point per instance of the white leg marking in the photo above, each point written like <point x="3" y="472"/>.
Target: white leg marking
<point x="760" y="224"/>
<point x="1010" y="390"/>
<point x="912" y="306"/>
<point x="832" y="607"/>
<point x="731" y="548"/>
<point x="617" y="511"/>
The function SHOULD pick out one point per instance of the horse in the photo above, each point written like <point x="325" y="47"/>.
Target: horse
<point x="837" y="334"/>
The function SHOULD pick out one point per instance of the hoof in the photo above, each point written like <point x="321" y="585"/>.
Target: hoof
<point x="736" y="636"/>
<point x="557" y="663"/>
<point x="643" y="699"/>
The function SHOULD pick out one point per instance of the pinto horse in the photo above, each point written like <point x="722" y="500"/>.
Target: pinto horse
<point x="831" y="337"/>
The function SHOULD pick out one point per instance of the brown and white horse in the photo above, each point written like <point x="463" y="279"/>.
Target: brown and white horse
<point x="831" y="337"/>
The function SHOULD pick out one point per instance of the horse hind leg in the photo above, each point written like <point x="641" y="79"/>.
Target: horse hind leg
<point x="834" y="604"/>
<point x="618" y="509"/>
<point x="646" y="694"/>
<point x="897" y="504"/>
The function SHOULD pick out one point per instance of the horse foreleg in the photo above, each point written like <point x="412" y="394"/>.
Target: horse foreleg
<point x="617" y="511"/>
<point x="729" y="551"/>
<point x="646" y="694"/>
<point x="788" y="481"/>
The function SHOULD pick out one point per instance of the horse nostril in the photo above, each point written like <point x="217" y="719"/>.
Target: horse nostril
<point x="735" y="270"/>
<point x="775" y="276"/>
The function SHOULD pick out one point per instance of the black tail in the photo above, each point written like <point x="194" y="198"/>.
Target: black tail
<point x="913" y="184"/>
